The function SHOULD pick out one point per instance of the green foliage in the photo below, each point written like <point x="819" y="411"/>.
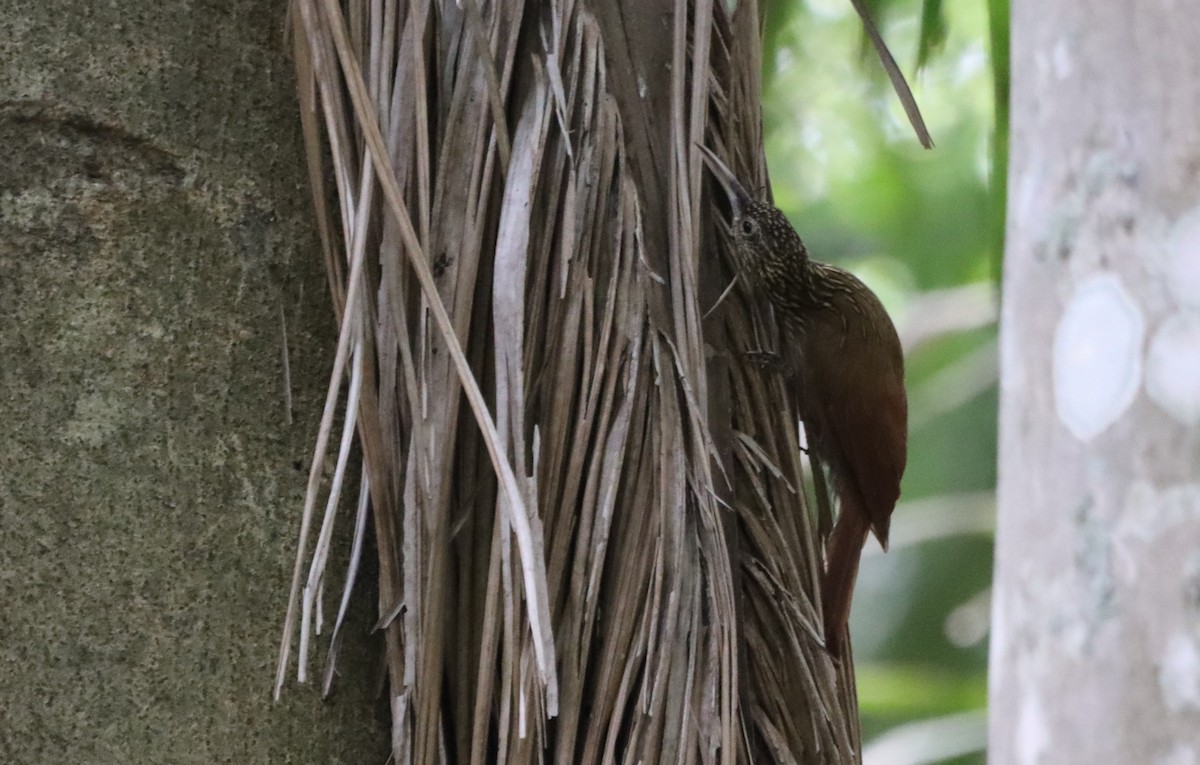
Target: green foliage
<point x="933" y="31"/>
<point x="848" y="171"/>
<point x="899" y="690"/>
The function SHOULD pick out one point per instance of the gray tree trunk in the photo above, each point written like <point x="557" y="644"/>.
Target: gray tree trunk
<point x="1096" y="634"/>
<point x="153" y="232"/>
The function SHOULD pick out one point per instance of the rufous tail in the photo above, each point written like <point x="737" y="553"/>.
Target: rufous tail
<point x="841" y="570"/>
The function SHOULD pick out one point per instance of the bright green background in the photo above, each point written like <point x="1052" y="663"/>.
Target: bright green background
<point x="849" y="172"/>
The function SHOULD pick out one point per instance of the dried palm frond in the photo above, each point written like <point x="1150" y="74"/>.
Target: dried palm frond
<point x="608" y="557"/>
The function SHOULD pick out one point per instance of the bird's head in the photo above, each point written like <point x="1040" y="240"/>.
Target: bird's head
<point x="766" y="247"/>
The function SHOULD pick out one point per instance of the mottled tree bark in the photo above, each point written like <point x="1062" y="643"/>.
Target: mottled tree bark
<point x="1096" y="635"/>
<point x="154" y="237"/>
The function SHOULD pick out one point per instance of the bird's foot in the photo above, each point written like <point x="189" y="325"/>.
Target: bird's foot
<point x="767" y="360"/>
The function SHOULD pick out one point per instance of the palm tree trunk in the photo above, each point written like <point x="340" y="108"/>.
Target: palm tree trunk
<point x="605" y="555"/>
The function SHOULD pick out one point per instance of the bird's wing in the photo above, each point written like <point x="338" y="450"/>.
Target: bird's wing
<point x="856" y="378"/>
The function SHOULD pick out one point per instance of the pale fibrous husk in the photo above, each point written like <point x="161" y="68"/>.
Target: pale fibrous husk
<point x="606" y="555"/>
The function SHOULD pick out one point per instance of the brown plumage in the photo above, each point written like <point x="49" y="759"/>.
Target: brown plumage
<point x="843" y="349"/>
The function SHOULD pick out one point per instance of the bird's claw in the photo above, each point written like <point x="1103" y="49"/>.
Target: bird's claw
<point x="766" y="359"/>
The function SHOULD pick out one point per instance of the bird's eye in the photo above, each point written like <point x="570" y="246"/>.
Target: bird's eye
<point x="747" y="227"/>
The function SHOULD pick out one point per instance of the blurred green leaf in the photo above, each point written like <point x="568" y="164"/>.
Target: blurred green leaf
<point x="933" y="31"/>
<point x="905" y="691"/>
<point x="998" y="37"/>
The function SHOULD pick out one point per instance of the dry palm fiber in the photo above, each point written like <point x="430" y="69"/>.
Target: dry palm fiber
<point x="606" y="556"/>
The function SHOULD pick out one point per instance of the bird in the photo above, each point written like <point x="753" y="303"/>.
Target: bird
<point x="840" y="346"/>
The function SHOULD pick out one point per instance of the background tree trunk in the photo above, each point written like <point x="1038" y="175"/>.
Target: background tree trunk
<point x="154" y="229"/>
<point x="1096" y="629"/>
